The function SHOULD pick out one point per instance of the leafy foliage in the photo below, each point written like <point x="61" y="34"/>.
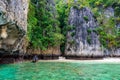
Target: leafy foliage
<point x="43" y="27"/>
<point x="63" y="9"/>
<point x="47" y="27"/>
<point x="109" y="34"/>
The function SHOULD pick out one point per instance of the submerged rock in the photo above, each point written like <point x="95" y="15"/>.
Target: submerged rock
<point x="13" y="24"/>
<point x="83" y="40"/>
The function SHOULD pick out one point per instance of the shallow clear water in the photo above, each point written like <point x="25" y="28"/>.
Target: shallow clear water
<point x="59" y="71"/>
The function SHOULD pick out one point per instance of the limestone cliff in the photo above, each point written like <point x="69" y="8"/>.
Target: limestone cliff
<point x="83" y="40"/>
<point x="110" y="12"/>
<point x="13" y="24"/>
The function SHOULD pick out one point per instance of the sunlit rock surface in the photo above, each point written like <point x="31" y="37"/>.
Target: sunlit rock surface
<point x="110" y="12"/>
<point x="13" y="24"/>
<point x="85" y="41"/>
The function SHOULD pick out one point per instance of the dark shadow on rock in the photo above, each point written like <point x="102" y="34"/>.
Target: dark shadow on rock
<point x="35" y="59"/>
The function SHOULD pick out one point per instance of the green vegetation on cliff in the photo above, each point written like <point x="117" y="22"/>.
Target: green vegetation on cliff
<point x="43" y="27"/>
<point x="48" y="27"/>
<point x="109" y="34"/>
<point x="63" y="9"/>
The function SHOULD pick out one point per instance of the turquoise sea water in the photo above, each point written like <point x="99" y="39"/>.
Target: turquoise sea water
<point x="59" y="71"/>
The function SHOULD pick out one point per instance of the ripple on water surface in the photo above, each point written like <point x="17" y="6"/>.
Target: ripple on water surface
<point x="59" y="71"/>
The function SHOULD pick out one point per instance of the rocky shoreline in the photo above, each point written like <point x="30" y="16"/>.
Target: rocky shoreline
<point x="7" y="59"/>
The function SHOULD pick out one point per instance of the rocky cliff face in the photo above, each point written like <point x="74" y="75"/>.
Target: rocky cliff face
<point x="110" y="12"/>
<point x="83" y="40"/>
<point x="13" y="24"/>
